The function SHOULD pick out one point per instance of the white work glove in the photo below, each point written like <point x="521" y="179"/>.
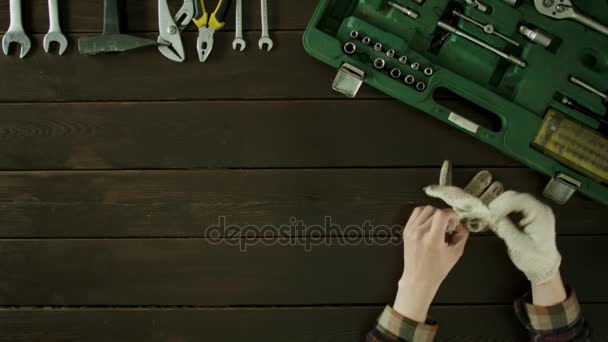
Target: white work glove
<point x="532" y="246"/>
<point x="470" y="203"/>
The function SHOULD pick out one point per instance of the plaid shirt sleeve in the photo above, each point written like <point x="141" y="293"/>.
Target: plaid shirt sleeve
<point x="394" y="327"/>
<point x="558" y="323"/>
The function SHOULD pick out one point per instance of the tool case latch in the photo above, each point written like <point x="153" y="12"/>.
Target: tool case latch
<point x="560" y="188"/>
<point x="348" y="80"/>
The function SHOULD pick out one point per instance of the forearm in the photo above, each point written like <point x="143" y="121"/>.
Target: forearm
<point x="414" y="300"/>
<point x="550" y="293"/>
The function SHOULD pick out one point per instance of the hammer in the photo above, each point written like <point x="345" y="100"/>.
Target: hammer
<point x="111" y="40"/>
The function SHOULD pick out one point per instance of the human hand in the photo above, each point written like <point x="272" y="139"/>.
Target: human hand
<point x="429" y="255"/>
<point x="532" y="248"/>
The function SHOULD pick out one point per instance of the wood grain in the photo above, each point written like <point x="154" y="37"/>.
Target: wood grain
<point x="142" y="15"/>
<point x="350" y="323"/>
<point x="302" y="271"/>
<point x="183" y="203"/>
<point x="231" y="134"/>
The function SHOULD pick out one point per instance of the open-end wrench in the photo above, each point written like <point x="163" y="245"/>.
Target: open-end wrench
<point x="564" y="9"/>
<point x="15" y="33"/>
<point x="55" y="34"/>
<point x="239" y="43"/>
<point x="265" y="39"/>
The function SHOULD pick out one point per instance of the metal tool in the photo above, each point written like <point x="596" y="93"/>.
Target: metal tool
<point x="265" y="39"/>
<point x="184" y="15"/>
<point x="409" y="79"/>
<point x="207" y="25"/>
<point x="415" y="66"/>
<point x="395" y="73"/>
<point x="378" y="46"/>
<point x="536" y="35"/>
<point x="602" y="123"/>
<point x="350" y="48"/>
<point x="589" y="87"/>
<point x="487" y="28"/>
<point x="15" y="33"/>
<point x="405" y="10"/>
<point x="366" y="40"/>
<point x="481" y="43"/>
<point x="511" y="2"/>
<point x="390" y="53"/>
<point x="420" y="86"/>
<point x="55" y="34"/>
<point x="379" y="63"/>
<point x="239" y="43"/>
<point x="169" y="41"/>
<point x="111" y="40"/>
<point x="429" y="71"/>
<point x="403" y="59"/>
<point x="354" y="34"/>
<point x="564" y="9"/>
<point x="478" y="5"/>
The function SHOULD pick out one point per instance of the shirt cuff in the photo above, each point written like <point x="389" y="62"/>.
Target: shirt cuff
<point x="549" y="318"/>
<point x="394" y="324"/>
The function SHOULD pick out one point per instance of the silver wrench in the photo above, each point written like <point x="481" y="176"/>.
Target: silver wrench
<point x="239" y="43"/>
<point x="15" y="33"/>
<point x="265" y="39"/>
<point x="564" y="9"/>
<point x="55" y="34"/>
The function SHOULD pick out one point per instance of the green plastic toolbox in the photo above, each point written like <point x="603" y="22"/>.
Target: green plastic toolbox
<point x="537" y="70"/>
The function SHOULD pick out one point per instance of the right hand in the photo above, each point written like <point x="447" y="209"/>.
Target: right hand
<point x="532" y="248"/>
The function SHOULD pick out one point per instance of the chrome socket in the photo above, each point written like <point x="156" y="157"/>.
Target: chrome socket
<point x="395" y="73"/>
<point x="350" y="48"/>
<point x="420" y="86"/>
<point x="428" y="71"/>
<point x="379" y="63"/>
<point x="409" y="79"/>
<point x="403" y="59"/>
<point x="378" y="46"/>
<point x="366" y="40"/>
<point x="354" y="34"/>
<point x="390" y="53"/>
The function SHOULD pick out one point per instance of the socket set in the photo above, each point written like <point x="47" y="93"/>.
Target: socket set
<point x="538" y="69"/>
<point x="396" y="65"/>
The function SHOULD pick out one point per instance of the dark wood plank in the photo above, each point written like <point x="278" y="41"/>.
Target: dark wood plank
<point x="285" y="72"/>
<point x="271" y="272"/>
<point x="457" y="323"/>
<point x="183" y="203"/>
<point x="87" y="15"/>
<point x="241" y="134"/>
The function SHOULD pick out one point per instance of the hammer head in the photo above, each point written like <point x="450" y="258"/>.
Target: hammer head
<point x="112" y="42"/>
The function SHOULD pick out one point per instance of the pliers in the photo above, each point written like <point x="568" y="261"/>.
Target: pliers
<point x="207" y="25"/>
<point x="169" y="39"/>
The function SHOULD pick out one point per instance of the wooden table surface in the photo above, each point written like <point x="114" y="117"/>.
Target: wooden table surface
<point x="113" y="168"/>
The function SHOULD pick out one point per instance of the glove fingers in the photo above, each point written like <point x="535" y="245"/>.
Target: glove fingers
<point x="479" y="183"/>
<point x="513" y="236"/>
<point x="493" y="191"/>
<point x="445" y="175"/>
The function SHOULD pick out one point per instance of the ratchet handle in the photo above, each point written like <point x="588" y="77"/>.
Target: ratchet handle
<point x="591" y="23"/>
<point x="201" y="17"/>
<point x="218" y="17"/>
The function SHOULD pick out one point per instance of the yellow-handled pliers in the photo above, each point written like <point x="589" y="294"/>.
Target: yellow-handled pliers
<point x="207" y="25"/>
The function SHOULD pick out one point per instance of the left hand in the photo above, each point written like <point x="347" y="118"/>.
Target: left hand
<point x="429" y="255"/>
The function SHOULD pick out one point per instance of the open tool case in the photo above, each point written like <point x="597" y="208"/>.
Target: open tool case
<point x="543" y="118"/>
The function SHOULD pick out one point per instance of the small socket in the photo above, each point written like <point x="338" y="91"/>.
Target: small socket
<point x="378" y="46"/>
<point x="409" y="79"/>
<point x="420" y="86"/>
<point x="403" y="59"/>
<point x="536" y="35"/>
<point x="390" y="53"/>
<point x="478" y="5"/>
<point x="379" y="63"/>
<point x="354" y="34"/>
<point x="428" y="71"/>
<point x="415" y="66"/>
<point x="350" y="48"/>
<point x="366" y="40"/>
<point x="395" y="73"/>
